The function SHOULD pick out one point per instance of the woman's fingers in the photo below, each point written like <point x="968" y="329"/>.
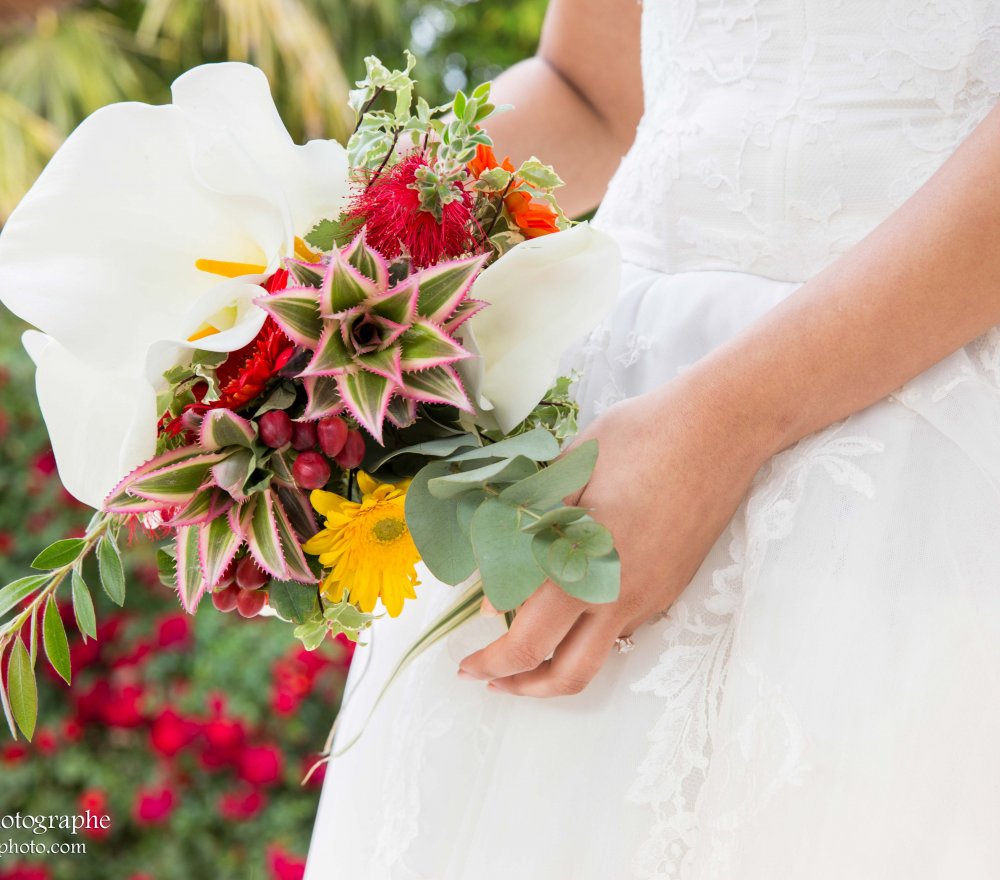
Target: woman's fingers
<point x="539" y="626"/>
<point x="576" y="661"/>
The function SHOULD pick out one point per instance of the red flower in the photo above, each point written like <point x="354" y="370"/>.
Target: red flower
<point x="72" y="730"/>
<point x="283" y="865"/>
<point x="6" y="543"/>
<point x="261" y="765"/>
<point x="45" y="463"/>
<point x="224" y="739"/>
<point x="174" y="630"/>
<point x="318" y="775"/>
<point x="94" y="801"/>
<point x="26" y="872"/>
<point x="140" y="651"/>
<point x="45" y="742"/>
<point x="154" y="805"/>
<point x="13" y="753"/>
<point x="242" y="805"/>
<point x="117" y="706"/>
<point x="396" y="224"/>
<point x="171" y="733"/>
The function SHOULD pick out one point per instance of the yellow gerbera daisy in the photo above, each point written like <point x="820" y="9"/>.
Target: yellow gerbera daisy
<point x="366" y="546"/>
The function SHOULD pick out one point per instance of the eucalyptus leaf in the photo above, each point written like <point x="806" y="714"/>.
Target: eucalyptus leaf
<point x="503" y="552"/>
<point x="590" y="537"/>
<point x="552" y="484"/>
<point x="452" y="485"/>
<point x="561" y="561"/>
<point x="601" y="583"/>
<point x="433" y="524"/>
<point x="558" y="516"/>
<point x="537" y="444"/>
<point x="466" y="506"/>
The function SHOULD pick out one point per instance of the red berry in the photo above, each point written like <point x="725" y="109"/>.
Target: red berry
<point x="275" y="428"/>
<point x="332" y="433"/>
<point x="303" y="436"/>
<point x="250" y="602"/>
<point x="225" y="599"/>
<point x="311" y="470"/>
<point x="249" y="575"/>
<point x="353" y="452"/>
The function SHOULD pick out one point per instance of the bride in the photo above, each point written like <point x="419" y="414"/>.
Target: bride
<point x="797" y="400"/>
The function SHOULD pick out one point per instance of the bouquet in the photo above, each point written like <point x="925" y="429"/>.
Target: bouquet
<point x="302" y="370"/>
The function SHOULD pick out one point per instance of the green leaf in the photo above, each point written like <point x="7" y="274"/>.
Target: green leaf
<point x="311" y="634"/>
<point x="442" y="287"/>
<point x="217" y="545"/>
<point x="426" y="345"/>
<point x="176" y="483"/>
<point x="22" y="690"/>
<point x="459" y="104"/>
<point x="600" y="584"/>
<point x="466" y="507"/>
<point x="434" y="527"/>
<point x="505" y="470"/>
<point x="282" y="397"/>
<point x="557" y="556"/>
<point x="83" y="607"/>
<point x="431" y="448"/>
<point x="190" y="578"/>
<point x="343" y="617"/>
<point x="293" y="601"/>
<point x="297" y="313"/>
<point x="538" y="175"/>
<point x="263" y="539"/>
<point x="537" y="444"/>
<point x="59" y="554"/>
<point x="329" y="234"/>
<point x="437" y="385"/>
<point x="331" y="353"/>
<point x="306" y="274"/>
<point x="295" y="560"/>
<point x="368" y="262"/>
<point x="552" y="484"/>
<point x="109" y="565"/>
<point x="343" y="287"/>
<point x="5" y="703"/>
<point x="55" y="641"/>
<point x="367" y="397"/>
<point x="233" y="472"/>
<point x="323" y="397"/>
<point x="17" y="591"/>
<point x="590" y="537"/>
<point x="221" y="428"/>
<point x="503" y="552"/>
<point x="558" y="516"/>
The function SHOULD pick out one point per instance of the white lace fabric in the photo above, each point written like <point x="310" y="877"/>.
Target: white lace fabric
<point x="822" y="701"/>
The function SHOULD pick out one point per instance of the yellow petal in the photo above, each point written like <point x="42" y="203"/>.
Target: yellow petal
<point x="321" y="542"/>
<point x="367" y="484"/>
<point x="326" y="503"/>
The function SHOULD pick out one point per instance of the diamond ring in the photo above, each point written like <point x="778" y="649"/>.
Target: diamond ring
<point x="624" y="644"/>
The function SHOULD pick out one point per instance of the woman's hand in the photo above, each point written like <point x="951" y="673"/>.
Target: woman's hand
<point x="670" y="473"/>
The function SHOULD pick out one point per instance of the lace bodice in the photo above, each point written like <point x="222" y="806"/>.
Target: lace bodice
<point x="777" y="133"/>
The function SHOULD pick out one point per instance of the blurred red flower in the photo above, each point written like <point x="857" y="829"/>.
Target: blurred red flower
<point x="154" y="805"/>
<point x="224" y="739"/>
<point x="171" y="732"/>
<point x="115" y="706"/>
<point x="283" y="865"/>
<point x="261" y="765"/>
<point x="13" y="753"/>
<point x="26" y="872"/>
<point x="6" y="543"/>
<point x="45" y="463"/>
<point x="45" y="742"/>
<point x="96" y="801"/>
<point x="174" y="630"/>
<point x="242" y="804"/>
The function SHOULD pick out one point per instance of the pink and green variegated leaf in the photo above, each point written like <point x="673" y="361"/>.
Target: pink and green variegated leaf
<point x="300" y="512"/>
<point x="343" y="288"/>
<point x="387" y="363"/>
<point x="222" y="427"/>
<point x="399" y="305"/>
<point x="217" y="545"/>
<point x="231" y="473"/>
<point x="176" y="483"/>
<point x="402" y="411"/>
<point x="331" y="354"/>
<point x="263" y="539"/>
<point x="191" y="584"/>
<point x="366" y="395"/>
<point x="369" y="263"/>
<point x="281" y="469"/>
<point x="427" y="345"/>
<point x="442" y="287"/>
<point x="322" y="398"/>
<point x="307" y="274"/>
<point x="297" y="313"/>
<point x="120" y="500"/>
<point x="295" y="560"/>
<point x="466" y="309"/>
<point x="437" y="385"/>
<point x="203" y="506"/>
<point x="241" y="515"/>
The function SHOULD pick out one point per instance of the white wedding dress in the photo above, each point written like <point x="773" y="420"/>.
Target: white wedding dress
<point x="823" y="703"/>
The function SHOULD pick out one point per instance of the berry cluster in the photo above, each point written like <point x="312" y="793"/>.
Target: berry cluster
<point x="243" y="588"/>
<point x="311" y="468"/>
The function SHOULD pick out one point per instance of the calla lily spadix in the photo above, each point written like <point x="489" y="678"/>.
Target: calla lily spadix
<point x="146" y="237"/>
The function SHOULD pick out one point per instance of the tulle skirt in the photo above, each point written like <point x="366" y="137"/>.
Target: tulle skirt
<point x="822" y="702"/>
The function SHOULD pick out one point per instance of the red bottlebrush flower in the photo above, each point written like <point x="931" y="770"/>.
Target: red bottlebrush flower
<point x="242" y="805"/>
<point x="261" y="765"/>
<point x="153" y="806"/>
<point x="171" y="733"/>
<point x="396" y="224"/>
<point x="283" y="865"/>
<point x="174" y="630"/>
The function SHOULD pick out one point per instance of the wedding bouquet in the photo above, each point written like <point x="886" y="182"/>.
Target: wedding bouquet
<point x="302" y="369"/>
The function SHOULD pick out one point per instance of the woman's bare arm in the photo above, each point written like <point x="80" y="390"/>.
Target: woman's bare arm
<point x="577" y="102"/>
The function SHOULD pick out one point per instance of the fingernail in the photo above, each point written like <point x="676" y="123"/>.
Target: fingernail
<point x="468" y="676"/>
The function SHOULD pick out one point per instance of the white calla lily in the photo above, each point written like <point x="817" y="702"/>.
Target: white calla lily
<point x="543" y="295"/>
<point x="146" y="237"/>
